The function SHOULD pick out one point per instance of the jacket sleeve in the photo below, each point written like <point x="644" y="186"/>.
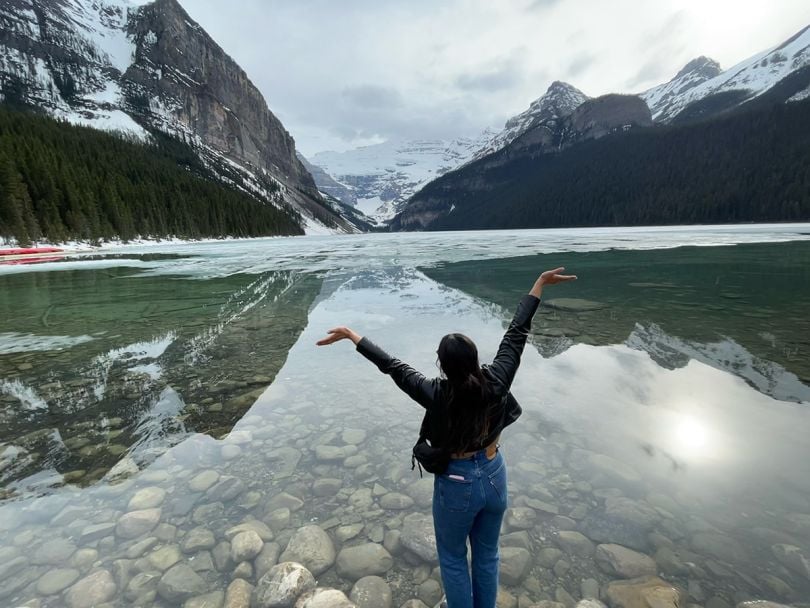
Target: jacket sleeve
<point x="506" y="362"/>
<point x="421" y="389"/>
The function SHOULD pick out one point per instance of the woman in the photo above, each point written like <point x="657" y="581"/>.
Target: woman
<point x="466" y="410"/>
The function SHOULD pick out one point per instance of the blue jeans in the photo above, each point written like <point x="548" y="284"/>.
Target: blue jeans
<point x="469" y="501"/>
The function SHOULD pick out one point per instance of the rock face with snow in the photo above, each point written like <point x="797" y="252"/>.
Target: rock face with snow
<point x="544" y="114"/>
<point x="379" y="178"/>
<point x="147" y="66"/>
<point x="701" y="89"/>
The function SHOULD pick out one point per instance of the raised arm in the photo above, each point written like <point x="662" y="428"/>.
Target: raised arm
<point x="506" y="362"/>
<point x="421" y="389"/>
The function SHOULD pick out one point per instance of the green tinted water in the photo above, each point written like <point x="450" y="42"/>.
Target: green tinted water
<point x="665" y="400"/>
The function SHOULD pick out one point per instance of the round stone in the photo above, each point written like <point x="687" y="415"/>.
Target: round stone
<point x="419" y="537"/>
<point x="198" y="539"/>
<point x="396" y="502"/>
<point x="515" y="564"/>
<point x="137" y="523"/>
<point x="371" y="592"/>
<point x="280" y="587"/>
<point x="324" y="598"/>
<point x="147" y="498"/>
<point x="368" y="559"/>
<point x="311" y="547"/>
<point x="55" y="551"/>
<point x="202" y="481"/>
<point x="165" y="557"/>
<point x="54" y="581"/>
<point x="238" y="594"/>
<point x="621" y="561"/>
<point x="180" y="583"/>
<point x="245" y="546"/>
<point x="92" y="590"/>
<point x="574" y="543"/>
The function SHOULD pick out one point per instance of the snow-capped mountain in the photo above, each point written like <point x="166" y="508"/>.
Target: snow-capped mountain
<point x="560" y="100"/>
<point x="701" y="79"/>
<point x="141" y="66"/>
<point x="381" y="177"/>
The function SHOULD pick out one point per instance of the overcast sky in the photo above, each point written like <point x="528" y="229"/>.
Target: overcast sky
<point x="343" y="73"/>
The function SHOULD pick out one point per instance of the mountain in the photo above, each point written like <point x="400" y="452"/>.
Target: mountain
<point x="701" y="90"/>
<point x="560" y="100"/>
<point x="536" y="172"/>
<point x="327" y="184"/>
<point x="147" y="67"/>
<point x="608" y="165"/>
<point x="379" y="178"/>
<point x="593" y="119"/>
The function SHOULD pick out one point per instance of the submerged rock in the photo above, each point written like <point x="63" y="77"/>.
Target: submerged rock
<point x="202" y="481"/>
<point x="574" y="304"/>
<point x="137" y="523"/>
<point x="180" y="583"/>
<point x="368" y="559"/>
<point x="92" y="590"/>
<point x="198" y="539"/>
<point x="792" y="558"/>
<point x="280" y="587"/>
<point x="371" y="592"/>
<point x="419" y="537"/>
<point x="147" y="498"/>
<point x="238" y="594"/>
<point x="574" y="543"/>
<point x="54" y="581"/>
<point x="324" y="598"/>
<point x="621" y="561"/>
<point x="515" y="565"/>
<point x="312" y="547"/>
<point x="646" y="592"/>
<point x="245" y="546"/>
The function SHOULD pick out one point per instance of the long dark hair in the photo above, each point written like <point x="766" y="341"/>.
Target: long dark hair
<point x="469" y="395"/>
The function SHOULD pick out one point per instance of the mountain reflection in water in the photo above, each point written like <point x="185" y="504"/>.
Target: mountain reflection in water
<point x="665" y="400"/>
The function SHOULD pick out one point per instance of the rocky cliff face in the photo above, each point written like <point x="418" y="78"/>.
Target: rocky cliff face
<point x="378" y="179"/>
<point x="136" y="66"/>
<point x="592" y="119"/>
<point x="542" y="117"/>
<point x="702" y="89"/>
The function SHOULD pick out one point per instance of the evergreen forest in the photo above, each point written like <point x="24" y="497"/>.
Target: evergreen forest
<point x="750" y="166"/>
<point x="61" y="182"/>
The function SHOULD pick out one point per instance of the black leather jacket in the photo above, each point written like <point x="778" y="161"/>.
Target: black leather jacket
<point x="432" y="393"/>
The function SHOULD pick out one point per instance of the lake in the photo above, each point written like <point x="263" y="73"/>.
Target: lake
<point x="169" y="427"/>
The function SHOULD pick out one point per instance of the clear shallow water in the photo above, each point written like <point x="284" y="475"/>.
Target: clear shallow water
<point x="666" y="413"/>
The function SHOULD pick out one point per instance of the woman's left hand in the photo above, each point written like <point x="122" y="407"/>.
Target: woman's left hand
<point x="339" y="333"/>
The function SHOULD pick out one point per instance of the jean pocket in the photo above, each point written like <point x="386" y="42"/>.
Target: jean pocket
<point x="497" y="479"/>
<point x="455" y="494"/>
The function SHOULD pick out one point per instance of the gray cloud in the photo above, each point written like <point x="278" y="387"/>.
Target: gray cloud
<point x="658" y="49"/>
<point x="373" y="97"/>
<point x="543" y="4"/>
<point x="580" y="64"/>
<point x="344" y="73"/>
<point x="489" y="81"/>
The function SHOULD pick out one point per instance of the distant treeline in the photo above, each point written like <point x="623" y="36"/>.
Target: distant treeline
<point x="753" y="166"/>
<point x="61" y="182"/>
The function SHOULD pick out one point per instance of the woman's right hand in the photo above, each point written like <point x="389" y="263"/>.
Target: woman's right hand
<point x="339" y="333"/>
<point x="550" y="277"/>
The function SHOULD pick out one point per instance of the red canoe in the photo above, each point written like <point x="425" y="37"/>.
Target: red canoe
<point x="30" y="251"/>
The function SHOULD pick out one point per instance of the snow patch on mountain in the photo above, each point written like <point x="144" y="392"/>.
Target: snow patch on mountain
<point x="383" y="176"/>
<point x="560" y="100"/>
<point x="754" y="76"/>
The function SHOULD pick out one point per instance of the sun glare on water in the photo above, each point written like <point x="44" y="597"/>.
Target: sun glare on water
<point x="691" y="435"/>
